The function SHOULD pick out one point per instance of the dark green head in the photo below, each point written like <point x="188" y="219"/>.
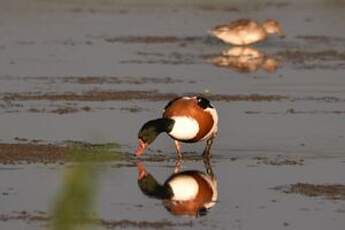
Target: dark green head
<point x="150" y="130"/>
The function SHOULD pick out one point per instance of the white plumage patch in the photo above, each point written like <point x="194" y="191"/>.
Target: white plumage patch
<point x="252" y="37"/>
<point x="185" y="128"/>
<point x="184" y="188"/>
<point x="214" y="128"/>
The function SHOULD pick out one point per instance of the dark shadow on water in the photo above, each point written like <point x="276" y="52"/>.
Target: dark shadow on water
<point x="183" y="193"/>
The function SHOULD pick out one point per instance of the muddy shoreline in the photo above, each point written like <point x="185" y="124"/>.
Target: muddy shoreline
<point x="31" y="153"/>
<point x="43" y="152"/>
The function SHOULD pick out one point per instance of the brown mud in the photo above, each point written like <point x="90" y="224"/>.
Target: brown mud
<point x="96" y="80"/>
<point x="321" y="39"/>
<point x="61" y="110"/>
<point x="152" y="39"/>
<point x="31" y="153"/>
<point x="154" y="95"/>
<point x="43" y="217"/>
<point x="68" y="102"/>
<point x="37" y="151"/>
<point x="151" y="95"/>
<point x="293" y="111"/>
<point x="326" y="191"/>
<point x="280" y="160"/>
<point x="297" y="56"/>
<point x="323" y="59"/>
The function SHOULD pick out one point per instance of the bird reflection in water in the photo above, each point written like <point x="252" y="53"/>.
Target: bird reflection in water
<point x="245" y="60"/>
<point x="189" y="192"/>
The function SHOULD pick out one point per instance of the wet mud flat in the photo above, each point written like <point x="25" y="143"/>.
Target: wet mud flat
<point x="72" y="102"/>
<point x="40" y="152"/>
<point x="330" y="191"/>
<point x="30" y="153"/>
<point x="73" y="74"/>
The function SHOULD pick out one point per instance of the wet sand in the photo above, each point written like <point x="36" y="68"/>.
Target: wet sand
<point x="92" y="74"/>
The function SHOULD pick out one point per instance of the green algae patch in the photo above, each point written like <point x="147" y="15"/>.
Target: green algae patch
<point x="93" y="152"/>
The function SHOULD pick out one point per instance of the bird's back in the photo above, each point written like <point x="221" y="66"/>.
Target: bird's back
<point x="188" y="107"/>
<point x="241" y="32"/>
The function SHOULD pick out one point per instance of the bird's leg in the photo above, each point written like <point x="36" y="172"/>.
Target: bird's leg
<point x="209" y="142"/>
<point x="178" y="165"/>
<point x="208" y="167"/>
<point x="178" y="149"/>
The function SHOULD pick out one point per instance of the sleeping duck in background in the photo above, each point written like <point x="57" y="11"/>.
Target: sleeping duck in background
<point x="185" y="119"/>
<point x="188" y="192"/>
<point x="245" y="31"/>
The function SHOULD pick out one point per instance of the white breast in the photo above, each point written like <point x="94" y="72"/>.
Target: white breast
<point x="184" y="188"/>
<point x="252" y="35"/>
<point x="185" y="128"/>
<point x="231" y="37"/>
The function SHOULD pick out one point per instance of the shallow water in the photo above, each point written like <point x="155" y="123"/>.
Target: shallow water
<point x="247" y="198"/>
<point x="49" y="48"/>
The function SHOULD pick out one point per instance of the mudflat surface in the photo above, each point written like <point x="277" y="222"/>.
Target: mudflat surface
<point x="93" y="72"/>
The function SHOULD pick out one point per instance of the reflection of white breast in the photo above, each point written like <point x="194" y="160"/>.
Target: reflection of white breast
<point x="184" y="188"/>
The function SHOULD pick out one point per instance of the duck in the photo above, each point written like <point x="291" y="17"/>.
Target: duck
<point x="185" y="193"/>
<point x="187" y="119"/>
<point x="244" y="32"/>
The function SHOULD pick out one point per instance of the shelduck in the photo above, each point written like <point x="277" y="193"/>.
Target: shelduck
<point x="189" y="192"/>
<point x="185" y="119"/>
<point x="245" y="31"/>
